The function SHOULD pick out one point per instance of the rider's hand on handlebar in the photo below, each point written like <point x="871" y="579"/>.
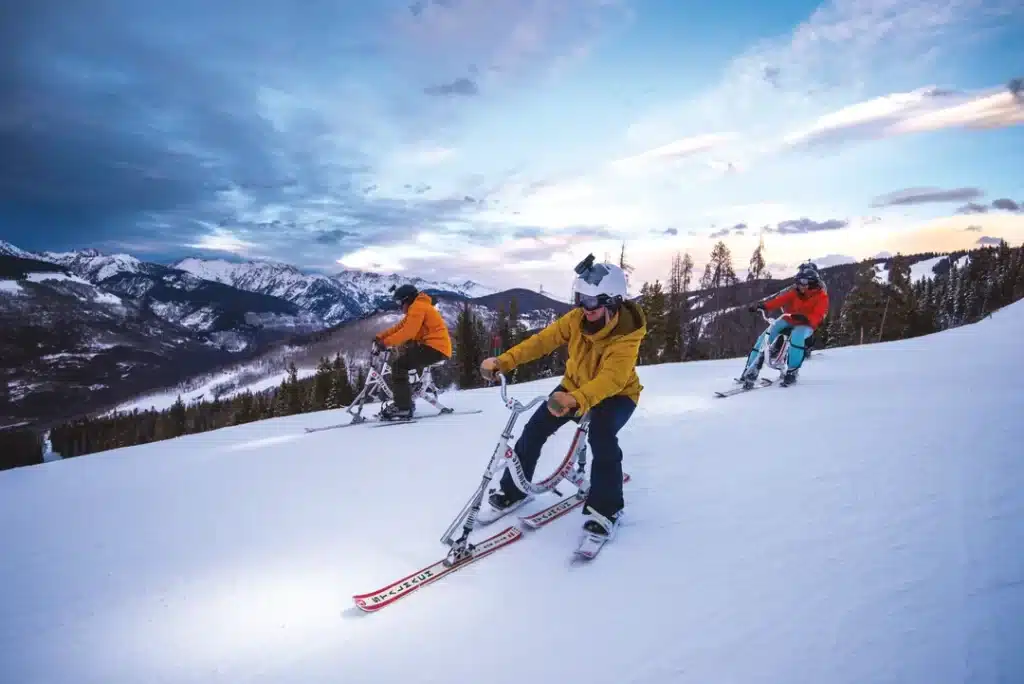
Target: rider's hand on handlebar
<point x="489" y="368"/>
<point x="756" y="307"/>
<point x="377" y="347"/>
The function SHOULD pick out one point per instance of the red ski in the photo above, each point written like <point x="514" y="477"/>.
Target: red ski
<point x="385" y="596"/>
<point x="557" y="509"/>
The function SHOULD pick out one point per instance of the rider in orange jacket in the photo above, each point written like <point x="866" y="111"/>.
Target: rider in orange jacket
<point x="805" y="304"/>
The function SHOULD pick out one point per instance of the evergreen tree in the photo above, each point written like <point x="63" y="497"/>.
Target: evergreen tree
<point x="757" y="269"/>
<point x="860" y="318"/>
<point x="323" y="381"/>
<point x="469" y="347"/>
<point x="652" y="300"/>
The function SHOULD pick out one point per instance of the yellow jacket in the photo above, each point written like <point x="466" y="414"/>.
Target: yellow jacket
<point x="600" y="365"/>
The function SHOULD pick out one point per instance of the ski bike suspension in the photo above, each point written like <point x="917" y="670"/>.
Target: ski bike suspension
<point x="376" y="386"/>
<point x="504" y="456"/>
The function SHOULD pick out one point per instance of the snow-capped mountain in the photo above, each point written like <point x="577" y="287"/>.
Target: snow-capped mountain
<point x="345" y="296"/>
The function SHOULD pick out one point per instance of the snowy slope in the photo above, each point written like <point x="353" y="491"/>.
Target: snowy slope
<point x="863" y="526"/>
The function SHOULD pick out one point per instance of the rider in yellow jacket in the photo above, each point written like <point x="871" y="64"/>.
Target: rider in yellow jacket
<point x="602" y="335"/>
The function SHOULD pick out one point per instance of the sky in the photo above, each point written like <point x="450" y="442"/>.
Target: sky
<point x="503" y="140"/>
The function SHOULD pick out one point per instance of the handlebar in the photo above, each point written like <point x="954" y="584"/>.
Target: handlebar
<point x="514" y="404"/>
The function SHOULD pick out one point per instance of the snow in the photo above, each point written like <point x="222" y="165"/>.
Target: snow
<point x="919" y="270"/>
<point x="11" y="287"/>
<point x="42" y="277"/>
<point x="164" y="400"/>
<point x="863" y="526"/>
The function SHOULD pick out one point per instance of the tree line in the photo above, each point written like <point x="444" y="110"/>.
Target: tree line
<point x="687" y="320"/>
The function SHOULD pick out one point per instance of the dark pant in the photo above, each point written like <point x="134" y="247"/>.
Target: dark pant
<point x="416" y="356"/>
<point x="606" y="419"/>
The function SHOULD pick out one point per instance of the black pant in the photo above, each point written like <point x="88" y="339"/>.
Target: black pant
<point x="416" y="356"/>
<point x="606" y="420"/>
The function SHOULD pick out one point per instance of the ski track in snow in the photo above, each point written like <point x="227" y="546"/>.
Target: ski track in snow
<point x="865" y="525"/>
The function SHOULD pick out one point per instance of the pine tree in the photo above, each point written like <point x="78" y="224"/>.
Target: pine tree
<point x="860" y="318"/>
<point x="323" y="380"/>
<point x="652" y="300"/>
<point x="757" y="269"/>
<point x="468" y="347"/>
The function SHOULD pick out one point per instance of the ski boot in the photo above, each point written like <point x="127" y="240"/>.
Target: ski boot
<point x="749" y="375"/>
<point x="391" y="412"/>
<point x="597" y="531"/>
<point x="596" y="524"/>
<point x="789" y="378"/>
<point x="501" y="504"/>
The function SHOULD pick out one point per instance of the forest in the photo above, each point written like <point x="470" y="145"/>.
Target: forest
<point x="687" y="320"/>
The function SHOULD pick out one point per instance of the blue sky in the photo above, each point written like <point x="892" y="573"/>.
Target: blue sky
<point x="501" y="140"/>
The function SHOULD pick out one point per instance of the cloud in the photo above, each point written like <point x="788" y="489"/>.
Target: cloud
<point x="919" y="111"/>
<point x="972" y="208"/>
<point x="806" y="225"/>
<point x="673" y="151"/>
<point x="987" y="240"/>
<point x="911" y="196"/>
<point x="460" y="86"/>
<point x="1007" y="205"/>
<point x="972" y="229"/>
<point x="495" y="41"/>
<point x="202" y="123"/>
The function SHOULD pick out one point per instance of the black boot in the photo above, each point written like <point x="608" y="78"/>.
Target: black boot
<point x="391" y="411"/>
<point x="790" y="377"/>
<point x="500" y="500"/>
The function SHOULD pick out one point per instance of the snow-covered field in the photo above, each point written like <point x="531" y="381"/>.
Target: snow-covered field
<point x="864" y="526"/>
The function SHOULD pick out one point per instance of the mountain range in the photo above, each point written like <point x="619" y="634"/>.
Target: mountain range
<point x="86" y="328"/>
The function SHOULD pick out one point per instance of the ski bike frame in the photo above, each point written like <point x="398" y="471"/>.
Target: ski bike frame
<point x="778" y="360"/>
<point x="504" y="456"/>
<point x="376" y="386"/>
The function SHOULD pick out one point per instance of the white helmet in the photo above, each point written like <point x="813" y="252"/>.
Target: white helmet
<point x="598" y="285"/>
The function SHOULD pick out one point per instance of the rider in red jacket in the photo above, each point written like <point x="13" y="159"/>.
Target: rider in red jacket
<point x="805" y="304"/>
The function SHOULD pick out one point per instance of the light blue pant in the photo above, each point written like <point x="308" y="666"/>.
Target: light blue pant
<point x="797" y="339"/>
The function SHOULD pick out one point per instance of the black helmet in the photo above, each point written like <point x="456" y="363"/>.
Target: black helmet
<point x="808" y="275"/>
<point x="404" y="294"/>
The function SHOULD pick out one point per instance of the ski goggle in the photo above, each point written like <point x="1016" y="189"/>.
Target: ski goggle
<point x="591" y="302"/>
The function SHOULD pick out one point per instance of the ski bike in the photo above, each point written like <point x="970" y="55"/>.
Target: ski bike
<point x="421" y="385"/>
<point x="461" y="551"/>
<point x="776" y="354"/>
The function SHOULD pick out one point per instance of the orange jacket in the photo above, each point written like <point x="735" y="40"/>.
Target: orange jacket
<point x="813" y="304"/>
<point x="422" y="323"/>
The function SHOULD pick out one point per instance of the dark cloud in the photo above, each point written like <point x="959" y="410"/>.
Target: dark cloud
<point x="806" y="225"/>
<point x="972" y="208"/>
<point x="671" y="231"/>
<point x="910" y="196"/>
<point x="718" y="233"/>
<point x="988" y="240"/>
<point x="460" y="86"/>
<point x="1006" y="204"/>
<point x="125" y="121"/>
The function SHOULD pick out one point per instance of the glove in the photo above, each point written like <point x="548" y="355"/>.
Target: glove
<point x="799" y="318"/>
<point x="377" y="347"/>
<point x="756" y="307"/>
<point x="489" y="368"/>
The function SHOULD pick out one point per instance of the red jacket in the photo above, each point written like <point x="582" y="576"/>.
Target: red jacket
<point x="813" y="304"/>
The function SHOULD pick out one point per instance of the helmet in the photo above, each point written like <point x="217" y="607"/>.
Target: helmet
<point x="598" y="285"/>
<point x="404" y="294"/>
<point x="807" y="275"/>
